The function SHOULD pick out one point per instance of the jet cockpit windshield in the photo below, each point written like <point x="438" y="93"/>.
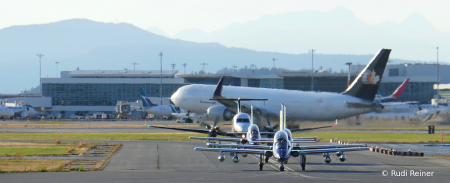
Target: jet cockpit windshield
<point x="243" y="120"/>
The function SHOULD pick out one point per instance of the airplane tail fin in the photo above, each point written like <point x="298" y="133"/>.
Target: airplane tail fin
<point x="146" y="99"/>
<point x="400" y="89"/>
<point x="365" y="85"/>
<point x="175" y="109"/>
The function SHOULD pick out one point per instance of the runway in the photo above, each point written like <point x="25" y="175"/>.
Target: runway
<point x="162" y="161"/>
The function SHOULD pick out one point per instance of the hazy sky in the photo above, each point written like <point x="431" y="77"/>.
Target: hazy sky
<point x="172" y="16"/>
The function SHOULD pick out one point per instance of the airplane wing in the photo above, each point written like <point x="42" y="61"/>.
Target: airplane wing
<point x="312" y="128"/>
<point x="239" y="146"/>
<point x="246" y="151"/>
<point x="327" y="150"/>
<point x="328" y="146"/>
<point x="218" y="139"/>
<point x="359" y="105"/>
<point x="206" y="131"/>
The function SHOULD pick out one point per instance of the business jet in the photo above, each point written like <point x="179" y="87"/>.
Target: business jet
<point x="149" y="107"/>
<point x="283" y="148"/>
<point x="313" y="106"/>
<point x="5" y="112"/>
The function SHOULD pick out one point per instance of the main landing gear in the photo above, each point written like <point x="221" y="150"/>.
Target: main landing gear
<point x="303" y="162"/>
<point x="261" y="164"/>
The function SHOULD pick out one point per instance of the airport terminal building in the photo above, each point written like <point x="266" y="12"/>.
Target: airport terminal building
<point x="86" y="91"/>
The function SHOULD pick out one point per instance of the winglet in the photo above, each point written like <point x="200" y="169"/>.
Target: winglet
<point x="400" y="89"/>
<point x="218" y="90"/>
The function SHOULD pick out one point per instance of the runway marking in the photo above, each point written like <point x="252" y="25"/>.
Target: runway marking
<point x="273" y="162"/>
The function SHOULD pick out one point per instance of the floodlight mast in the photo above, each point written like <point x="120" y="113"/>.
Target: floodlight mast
<point x="160" y="86"/>
<point x="40" y="72"/>
<point x="184" y="65"/>
<point x="204" y="71"/>
<point x="56" y="68"/>
<point x="312" y="68"/>
<point x="134" y="63"/>
<point x="173" y="66"/>
<point x="349" y="69"/>
<point x="274" y="59"/>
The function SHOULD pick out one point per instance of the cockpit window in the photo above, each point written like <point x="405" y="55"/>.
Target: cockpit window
<point x="243" y="120"/>
<point x="281" y="144"/>
<point x="254" y="133"/>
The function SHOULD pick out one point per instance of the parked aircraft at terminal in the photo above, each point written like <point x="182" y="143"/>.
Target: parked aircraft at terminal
<point x="5" y="112"/>
<point x="149" y="107"/>
<point x="315" y="106"/>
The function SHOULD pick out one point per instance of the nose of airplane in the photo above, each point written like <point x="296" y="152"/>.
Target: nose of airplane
<point x="175" y="98"/>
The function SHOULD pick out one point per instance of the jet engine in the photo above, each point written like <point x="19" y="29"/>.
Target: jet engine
<point x="24" y="114"/>
<point x="327" y="159"/>
<point x="220" y="112"/>
<point x="378" y="107"/>
<point x="235" y="159"/>
<point x="342" y="158"/>
<point x="295" y="153"/>
<point x="221" y="158"/>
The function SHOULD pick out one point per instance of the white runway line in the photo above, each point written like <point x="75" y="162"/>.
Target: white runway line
<point x="273" y="162"/>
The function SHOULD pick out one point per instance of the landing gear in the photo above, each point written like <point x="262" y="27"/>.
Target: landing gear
<point x="303" y="162"/>
<point x="261" y="164"/>
<point x="267" y="159"/>
<point x="281" y="167"/>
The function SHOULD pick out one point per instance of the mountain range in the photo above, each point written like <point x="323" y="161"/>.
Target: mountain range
<point x="92" y="45"/>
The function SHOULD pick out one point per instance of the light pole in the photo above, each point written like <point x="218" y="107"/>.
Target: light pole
<point x="184" y="65"/>
<point x="134" y="64"/>
<point x="173" y="66"/>
<point x="274" y="59"/>
<point x="56" y="68"/>
<point x="437" y="60"/>
<point x="204" y="71"/>
<point x="253" y="66"/>
<point x="40" y="72"/>
<point x="312" y="68"/>
<point x="349" y="69"/>
<point x="235" y="68"/>
<point x="160" y="86"/>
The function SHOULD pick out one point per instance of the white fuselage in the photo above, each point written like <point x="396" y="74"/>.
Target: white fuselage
<point x="160" y="110"/>
<point x="6" y="112"/>
<point x="314" y="106"/>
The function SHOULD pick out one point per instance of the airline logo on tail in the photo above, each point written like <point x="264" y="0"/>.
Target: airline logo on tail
<point x="175" y="109"/>
<point x="146" y="99"/>
<point x="370" y="78"/>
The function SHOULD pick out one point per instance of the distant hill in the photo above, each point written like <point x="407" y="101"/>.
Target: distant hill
<point x="335" y="32"/>
<point x="107" y="46"/>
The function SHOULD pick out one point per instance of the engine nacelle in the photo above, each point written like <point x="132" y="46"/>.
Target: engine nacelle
<point x="339" y="153"/>
<point x="24" y="114"/>
<point x="221" y="113"/>
<point x="221" y="158"/>
<point x="342" y="158"/>
<point x="378" y="107"/>
<point x="235" y="159"/>
<point x="269" y="154"/>
<point x="327" y="159"/>
<point x="244" y="155"/>
<point x="295" y="153"/>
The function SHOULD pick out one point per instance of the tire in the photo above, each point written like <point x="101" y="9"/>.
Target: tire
<point x="261" y="165"/>
<point x="282" y="168"/>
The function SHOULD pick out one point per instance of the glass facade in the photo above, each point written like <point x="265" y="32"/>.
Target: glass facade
<point x="89" y="94"/>
<point x="271" y="83"/>
<point x="414" y="91"/>
<point x="329" y="84"/>
<point x="213" y="81"/>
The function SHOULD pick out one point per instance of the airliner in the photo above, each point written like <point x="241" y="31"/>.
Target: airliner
<point x="149" y="107"/>
<point x="24" y="111"/>
<point x="6" y="113"/>
<point x="357" y="99"/>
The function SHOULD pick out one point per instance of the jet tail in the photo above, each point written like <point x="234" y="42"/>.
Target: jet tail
<point x="175" y="109"/>
<point x="146" y="99"/>
<point x="365" y="85"/>
<point x="400" y="89"/>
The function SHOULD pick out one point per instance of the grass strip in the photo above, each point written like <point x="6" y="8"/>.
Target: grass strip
<point x="33" y="151"/>
<point x="99" y="136"/>
<point x="378" y="137"/>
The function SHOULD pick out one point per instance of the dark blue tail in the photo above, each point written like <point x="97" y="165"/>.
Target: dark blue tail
<point x="146" y="99"/>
